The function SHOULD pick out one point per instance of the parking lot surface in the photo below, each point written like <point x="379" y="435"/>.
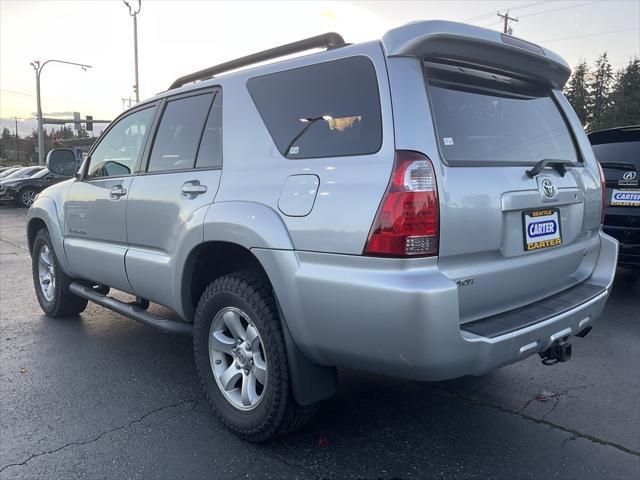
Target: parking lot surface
<point x="101" y="396"/>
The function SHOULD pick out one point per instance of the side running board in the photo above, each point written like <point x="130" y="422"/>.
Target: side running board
<point x="132" y="311"/>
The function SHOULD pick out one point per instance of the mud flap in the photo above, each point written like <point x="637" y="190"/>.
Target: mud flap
<point x="310" y="382"/>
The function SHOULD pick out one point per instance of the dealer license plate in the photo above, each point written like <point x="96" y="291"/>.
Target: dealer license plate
<point x="629" y="197"/>
<point x="541" y="229"/>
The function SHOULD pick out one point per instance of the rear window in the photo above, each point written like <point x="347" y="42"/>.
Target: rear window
<point x="482" y="117"/>
<point x="617" y="149"/>
<point x="618" y="153"/>
<point x="324" y="110"/>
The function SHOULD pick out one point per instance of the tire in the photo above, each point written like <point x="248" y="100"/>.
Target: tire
<point x="26" y="197"/>
<point x="249" y="297"/>
<point x="56" y="301"/>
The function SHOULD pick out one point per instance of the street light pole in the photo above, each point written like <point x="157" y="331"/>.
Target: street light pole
<point x="134" y="14"/>
<point x="37" y="66"/>
<point x="135" y="53"/>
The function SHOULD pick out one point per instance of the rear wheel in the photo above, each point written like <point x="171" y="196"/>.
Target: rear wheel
<point x="51" y="283"/>
<point x="26" y="197"/>
<point x="241" y="359"/>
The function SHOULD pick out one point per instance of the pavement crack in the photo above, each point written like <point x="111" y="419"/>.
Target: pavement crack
<point x="541" y="421"/>
<point x="569" y="439"/>
<point x="14" y="245"/>
<point x="106" y="432"/>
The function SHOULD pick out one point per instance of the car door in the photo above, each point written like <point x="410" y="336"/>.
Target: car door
<point x="49" y="179"/>
<point x="95" y="232"/>
<point x="169" y="196"/>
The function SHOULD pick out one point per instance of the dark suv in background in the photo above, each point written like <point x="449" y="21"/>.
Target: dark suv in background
<point x="618" y="151"/>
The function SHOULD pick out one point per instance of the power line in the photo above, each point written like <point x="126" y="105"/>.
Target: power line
<point x="11" y="92"/>
<point x="589" y="35"/>
<point x="23" y="94"/>
<point x="491" y="24"/>
<point x="582" y="4"/>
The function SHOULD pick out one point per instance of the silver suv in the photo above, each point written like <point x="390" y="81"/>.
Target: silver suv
<point x="426" y="206"/>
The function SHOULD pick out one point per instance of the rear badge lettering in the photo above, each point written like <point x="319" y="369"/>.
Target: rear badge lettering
<point x="465" y="282"/>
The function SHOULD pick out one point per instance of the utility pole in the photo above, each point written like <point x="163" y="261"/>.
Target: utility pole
<point x="507" y="19"/>
<point x="134" y="14"/>
<point x="17" y="144"/>
<point x="37" y="66"/>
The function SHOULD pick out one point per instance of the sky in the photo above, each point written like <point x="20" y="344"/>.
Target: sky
<point x="179" y="37"/>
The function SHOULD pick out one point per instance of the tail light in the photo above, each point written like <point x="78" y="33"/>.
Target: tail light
<point x="406" y="224"/>
<point x="603" y="190"/>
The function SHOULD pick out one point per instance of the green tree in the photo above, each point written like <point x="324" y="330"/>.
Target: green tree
<point x="625" y="96"/>
<point x="600" y="93"/>
<point x="82" y="133"/>
<point x="577" y="91"/>
<point x="6" y="141"/>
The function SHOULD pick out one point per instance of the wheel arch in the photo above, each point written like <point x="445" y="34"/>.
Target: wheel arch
<point x="231" y="231"/>
<point x="44" y="213"/>
<point x="208" y="261"/>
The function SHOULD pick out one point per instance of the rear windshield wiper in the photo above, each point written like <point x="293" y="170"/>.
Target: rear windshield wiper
<point x="558" y="165"/>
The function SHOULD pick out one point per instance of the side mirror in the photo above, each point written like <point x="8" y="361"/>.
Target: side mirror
<point x="62" y="161"/>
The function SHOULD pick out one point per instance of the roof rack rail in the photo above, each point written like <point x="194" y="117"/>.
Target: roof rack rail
<point x="327" y="40"/>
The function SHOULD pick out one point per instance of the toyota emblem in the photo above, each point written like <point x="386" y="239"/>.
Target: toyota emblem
<point x="548" y="188"/>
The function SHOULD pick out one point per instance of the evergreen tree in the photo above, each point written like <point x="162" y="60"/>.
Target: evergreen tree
<point x="600" y="93"/>
<point x="625" y="96"/>
<point x="577" y="91"/>
<point x="6" y="140"/>
<point x="82" y="133"/>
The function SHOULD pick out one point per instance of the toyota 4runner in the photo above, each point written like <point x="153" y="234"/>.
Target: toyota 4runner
<point x="426" y="206"/>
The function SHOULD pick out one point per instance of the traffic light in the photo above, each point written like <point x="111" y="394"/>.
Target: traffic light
<point x="89" y="123"/>
<point x="76" y="121"/>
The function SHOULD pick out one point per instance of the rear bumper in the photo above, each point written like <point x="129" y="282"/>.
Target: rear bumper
<point x="401" y="318"/>
<point x="629" y="238"/>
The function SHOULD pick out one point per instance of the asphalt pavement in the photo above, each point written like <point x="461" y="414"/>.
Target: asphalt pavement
<point x="101" y="396"/>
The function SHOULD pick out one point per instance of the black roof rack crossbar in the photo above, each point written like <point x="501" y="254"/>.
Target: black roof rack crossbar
<point x="326" y="40"/>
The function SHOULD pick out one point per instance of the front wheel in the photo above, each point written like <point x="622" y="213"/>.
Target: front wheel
<point x="241" y="360"/>
<point x="26" y="197"/>
<point x="50" y="282"/>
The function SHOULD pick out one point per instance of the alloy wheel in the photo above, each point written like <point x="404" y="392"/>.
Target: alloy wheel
<point x="28" y="197"/>
<point x="237" y="357"/>
<point x="46" y="273"/>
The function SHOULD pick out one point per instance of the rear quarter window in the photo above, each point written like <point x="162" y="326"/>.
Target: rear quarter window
<point x="323" y="110"/>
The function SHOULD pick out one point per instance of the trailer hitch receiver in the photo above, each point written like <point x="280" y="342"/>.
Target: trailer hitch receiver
<point x="560" y="351"/>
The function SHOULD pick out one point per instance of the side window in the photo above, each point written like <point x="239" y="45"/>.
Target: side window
<point x="325" y="110"/>
<point x="118" y="151"/>
<point x="210" y="151"/>
<point x="177" y="138"/>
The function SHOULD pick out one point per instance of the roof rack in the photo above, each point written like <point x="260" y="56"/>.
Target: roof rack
<point x="327" y="40"/>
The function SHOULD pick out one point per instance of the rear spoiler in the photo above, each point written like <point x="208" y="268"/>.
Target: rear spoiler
<point x="475" y="46"/>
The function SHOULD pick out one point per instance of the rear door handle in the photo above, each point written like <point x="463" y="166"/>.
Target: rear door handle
<point x="118" y="191"/>
<point x="193" y="188"/>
